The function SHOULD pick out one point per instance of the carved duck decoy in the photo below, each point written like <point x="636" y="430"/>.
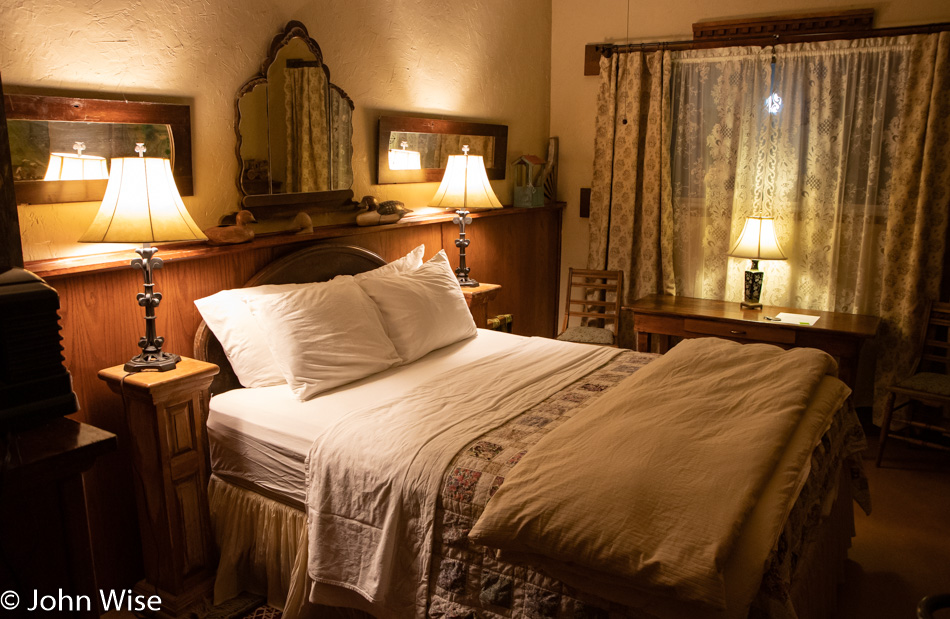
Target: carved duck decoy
<point x="303" y="224"/>
<point x="376" y="213"/>
<point x="232" y="235"/>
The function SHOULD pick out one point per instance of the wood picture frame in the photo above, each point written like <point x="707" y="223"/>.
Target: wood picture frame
<point x="177" y="117"/>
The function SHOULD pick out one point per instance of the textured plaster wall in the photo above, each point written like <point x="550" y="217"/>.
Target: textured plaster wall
<point x="486" y="60"/>
<point x="574" y="96"/>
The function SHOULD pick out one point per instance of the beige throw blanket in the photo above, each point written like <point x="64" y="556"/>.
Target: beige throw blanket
<point x="674" y="458"/>
<point x="373" y="477"/>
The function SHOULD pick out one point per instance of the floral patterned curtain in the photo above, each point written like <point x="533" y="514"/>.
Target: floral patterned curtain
<point x="308" y="142"/>
<point x="630" y="192"/>
<point x="917" y="209"/>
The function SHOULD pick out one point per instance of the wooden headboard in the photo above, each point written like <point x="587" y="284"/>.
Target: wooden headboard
<point x="313" y="264"/>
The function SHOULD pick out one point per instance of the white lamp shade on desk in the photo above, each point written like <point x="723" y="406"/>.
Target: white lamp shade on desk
<point x="758" y="241"/>
<point x="142" y="205"/>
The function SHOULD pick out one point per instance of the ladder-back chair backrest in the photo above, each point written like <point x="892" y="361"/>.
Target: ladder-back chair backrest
<point x="934" y="348"/>
<point x="593" y="295"/>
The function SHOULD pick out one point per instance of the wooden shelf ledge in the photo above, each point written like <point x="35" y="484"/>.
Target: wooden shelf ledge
<point x="76" y="265"/>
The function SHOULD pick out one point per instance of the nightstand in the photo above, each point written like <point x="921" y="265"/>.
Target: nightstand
<point x="166" y="413"/>
<point x="477" y="298"/>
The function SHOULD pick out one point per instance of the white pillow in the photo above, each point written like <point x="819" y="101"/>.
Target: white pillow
<point x="244" y="344"/>
<point x="423" y="310"/>
<point x="323" y="335"/>
<point x="409" y="262"/>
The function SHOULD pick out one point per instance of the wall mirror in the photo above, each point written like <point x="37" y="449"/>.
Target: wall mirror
<point x="61" y="147"/>
<point x="294" y="130"/>
<point x="415" y="150"/>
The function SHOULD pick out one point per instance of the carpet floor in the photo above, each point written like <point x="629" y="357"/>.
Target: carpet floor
<point x="901" y="552"/>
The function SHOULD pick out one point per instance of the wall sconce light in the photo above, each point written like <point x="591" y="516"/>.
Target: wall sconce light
<point x="465" y="186"/>
<point x="142" y="205"/>
<point x="757" y="242"/>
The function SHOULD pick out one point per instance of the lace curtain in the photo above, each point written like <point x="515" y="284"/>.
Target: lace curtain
<point x="821" y="166"/>
<point x="854" y="167"/>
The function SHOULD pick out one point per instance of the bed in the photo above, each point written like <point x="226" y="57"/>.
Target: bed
<point x="426" y="488"/>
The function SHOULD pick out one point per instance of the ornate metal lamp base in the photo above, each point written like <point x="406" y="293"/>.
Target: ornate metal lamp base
<point x="152" y="357"/>
<point x="161" y="361"/>
<point x="462" y="219"/>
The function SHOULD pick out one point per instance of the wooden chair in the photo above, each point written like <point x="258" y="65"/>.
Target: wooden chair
<point x="594" y="295"/>
<point x="929" y="382"/>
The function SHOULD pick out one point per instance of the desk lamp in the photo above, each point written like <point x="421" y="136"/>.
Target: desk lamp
<point x="465" y="186"/>
<point x="757" y="242"/>
<point x="142" y="205"/>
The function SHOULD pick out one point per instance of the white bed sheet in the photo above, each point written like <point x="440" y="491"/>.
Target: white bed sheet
<point x="262" y="435"/>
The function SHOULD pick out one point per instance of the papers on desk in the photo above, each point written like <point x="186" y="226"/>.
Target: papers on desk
<point x="797" y="319"/>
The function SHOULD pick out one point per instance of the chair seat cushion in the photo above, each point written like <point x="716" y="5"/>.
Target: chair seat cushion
<point x="587" y="335"/>
<point x="928" y="382"/>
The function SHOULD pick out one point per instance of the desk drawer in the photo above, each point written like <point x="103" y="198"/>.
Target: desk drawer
<point x="751" y="332"/>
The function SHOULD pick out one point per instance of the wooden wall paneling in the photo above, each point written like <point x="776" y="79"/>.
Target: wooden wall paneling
<point x="102" y="323"/>
<point x="520" y="252"/>
<point x="97" y="313"/>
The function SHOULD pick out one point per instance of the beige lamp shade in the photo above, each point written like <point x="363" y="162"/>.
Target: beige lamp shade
<point x="758" y="241"/>
<point x="142" y="205"/>
<point x="73" y="167"/>
<point x="465" y="185"/>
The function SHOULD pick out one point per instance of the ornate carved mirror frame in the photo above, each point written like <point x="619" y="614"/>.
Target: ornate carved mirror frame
<point x="264" y="200"/>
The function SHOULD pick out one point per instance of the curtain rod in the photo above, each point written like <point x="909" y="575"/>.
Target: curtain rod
<point x="593" y="51"/>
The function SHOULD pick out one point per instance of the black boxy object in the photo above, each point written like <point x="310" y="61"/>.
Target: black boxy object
<point x="34" y="384"/>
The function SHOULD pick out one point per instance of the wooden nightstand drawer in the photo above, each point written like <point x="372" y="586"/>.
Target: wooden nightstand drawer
<point x="759" y="333"/>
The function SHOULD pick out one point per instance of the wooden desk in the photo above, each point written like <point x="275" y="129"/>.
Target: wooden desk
<point x="840" y="335"/>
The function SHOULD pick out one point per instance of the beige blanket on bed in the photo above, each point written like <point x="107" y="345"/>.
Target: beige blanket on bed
<point x="373" y="477"/>
<point x="674" y="458"/>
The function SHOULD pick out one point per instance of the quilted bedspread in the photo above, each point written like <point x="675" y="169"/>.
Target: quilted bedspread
<point x="447" y="574"/>
<point x="468" y="580"/>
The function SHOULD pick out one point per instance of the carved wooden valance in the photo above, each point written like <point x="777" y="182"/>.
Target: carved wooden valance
<point x="773" y="30"/>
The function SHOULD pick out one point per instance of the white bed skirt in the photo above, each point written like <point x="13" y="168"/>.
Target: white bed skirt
<point x="263" y="546"/>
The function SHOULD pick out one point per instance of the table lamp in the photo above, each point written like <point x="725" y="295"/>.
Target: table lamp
<point x="465" y="187"/>
<point x="757" y="242"/>
<point x="142" y="205"/>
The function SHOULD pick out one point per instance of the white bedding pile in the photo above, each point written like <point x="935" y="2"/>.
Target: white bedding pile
<point x="675" y="458"/>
